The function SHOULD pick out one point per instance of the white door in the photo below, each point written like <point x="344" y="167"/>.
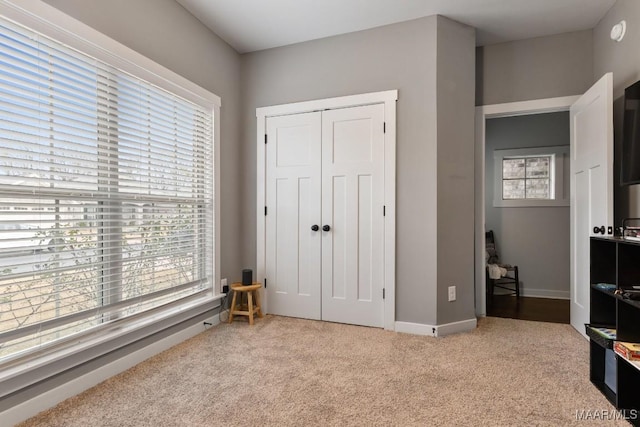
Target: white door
<point x="352" y="206"/>
<point x="326" y="169"/>
<point x="293" y="158"/>
<point x="591" y="186"/>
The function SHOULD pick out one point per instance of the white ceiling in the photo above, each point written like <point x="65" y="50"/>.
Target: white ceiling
<point x="250" y="25"/>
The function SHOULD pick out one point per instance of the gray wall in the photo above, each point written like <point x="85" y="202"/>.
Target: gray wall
<point x="623" y="59"/>
<point x="455" y="136"/>
<point x="400" y="56"/>
<point x="165" y="32"/>
<point x="542" y="67"/>
<point x="536" y="239"/>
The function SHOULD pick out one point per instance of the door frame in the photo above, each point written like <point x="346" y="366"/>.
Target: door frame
<point x="484" y="112"/>
<point x="388" y="98"/>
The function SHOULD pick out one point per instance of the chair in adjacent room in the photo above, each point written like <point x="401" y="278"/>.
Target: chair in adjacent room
<point x="499" y="275"/>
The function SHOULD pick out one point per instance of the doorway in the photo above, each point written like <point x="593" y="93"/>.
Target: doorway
<point x="484" y="113"/>
<point x="527" y="167"/>
<point x="591" y="208"/>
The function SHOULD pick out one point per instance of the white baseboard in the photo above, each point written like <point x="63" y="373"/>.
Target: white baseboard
<point x="544" y="293"/>
<point x="456" y="327"/>
<point x="436" y="330"/>
<point x="416" y="329"/>
<point x="52" y="397"/>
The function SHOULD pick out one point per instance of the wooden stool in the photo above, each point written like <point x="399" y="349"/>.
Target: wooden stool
<point x="250" y="308"/>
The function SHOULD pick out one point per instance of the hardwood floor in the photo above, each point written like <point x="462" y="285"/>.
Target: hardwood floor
<point x="528" y="308"/>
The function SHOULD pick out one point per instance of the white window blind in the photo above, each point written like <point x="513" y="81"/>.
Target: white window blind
<point x="106" y="193"/>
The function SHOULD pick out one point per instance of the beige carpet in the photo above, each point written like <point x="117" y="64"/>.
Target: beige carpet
<point x="292" y="372"/>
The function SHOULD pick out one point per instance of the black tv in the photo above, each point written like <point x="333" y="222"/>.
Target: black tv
<point x="630" y="160"/>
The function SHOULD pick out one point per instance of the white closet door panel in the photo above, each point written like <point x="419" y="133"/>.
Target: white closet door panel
<point x="352" y="205"/>
<point x="336" y="245"/>
<point x="293" y="158"/>
<point x="365" y="241"/>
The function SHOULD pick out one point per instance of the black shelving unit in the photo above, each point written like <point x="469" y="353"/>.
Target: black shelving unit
<point x="615" y="261"/>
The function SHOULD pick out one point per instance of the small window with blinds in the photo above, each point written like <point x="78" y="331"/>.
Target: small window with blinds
<point x="106" y="194"/>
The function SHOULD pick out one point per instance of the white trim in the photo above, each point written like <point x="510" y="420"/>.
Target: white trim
<point x="29" y="408"/>
<point x="53" y="23"/>
<point x="537" y="106"/>
<point x="328" y="104"/>
<point x="389" y="99"/>
<point x="544" y="293"/>
<point x="437" y="330"/>
<point x="523" y="108"/>
<point x="261" y="202"/>
<point x="456" y="327"/>
<point x="416" y="329"/>
<point x="217" y="231"/>
<point x="390" y="216"/>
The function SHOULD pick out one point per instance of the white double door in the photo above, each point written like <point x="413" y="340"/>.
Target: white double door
<point x="325" y="207"/>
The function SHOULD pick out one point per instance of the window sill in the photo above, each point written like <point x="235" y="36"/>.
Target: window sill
<point x="530" y="203"/>
<point x="23" y="372"/>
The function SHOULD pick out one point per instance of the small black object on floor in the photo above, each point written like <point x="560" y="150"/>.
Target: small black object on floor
<point x="528" y="308"/>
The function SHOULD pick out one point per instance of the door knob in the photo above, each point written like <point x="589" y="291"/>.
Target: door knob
<point x="326" y="228"/>
<point x="315" y="227"/>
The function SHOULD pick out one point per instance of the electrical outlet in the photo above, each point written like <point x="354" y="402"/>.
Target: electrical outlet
<point x="452" y="293"/>
<point x="224" y="286"/>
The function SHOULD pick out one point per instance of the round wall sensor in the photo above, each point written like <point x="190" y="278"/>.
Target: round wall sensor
<point x="618" y="30"/>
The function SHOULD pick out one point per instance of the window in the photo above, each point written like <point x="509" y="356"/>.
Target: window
<point x="527" y="177"/>
<point x="531" y="177"/>
<point x="106" y="191"/>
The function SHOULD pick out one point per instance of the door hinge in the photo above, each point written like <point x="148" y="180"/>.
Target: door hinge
<point x="384" y="127"/>
<point x="265" y="211"/>
<point x="383" y="293"/>
<point x="384" y="211"/>
<point x="265" y="138"/>
<point x="265" y="283"/>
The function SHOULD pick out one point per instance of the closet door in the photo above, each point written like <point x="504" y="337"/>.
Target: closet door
<point x="293" y="196"/>
<point x="352" y="208"/>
